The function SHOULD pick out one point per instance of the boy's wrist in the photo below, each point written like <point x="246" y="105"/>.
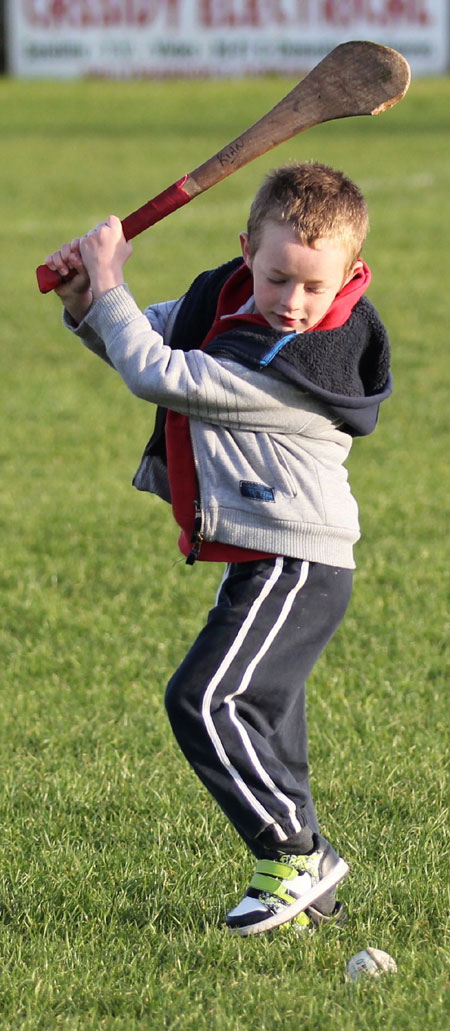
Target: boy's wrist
<point x="103" y="279"/>
<point x="104" y="284"/>
<point x="78" y="305"/>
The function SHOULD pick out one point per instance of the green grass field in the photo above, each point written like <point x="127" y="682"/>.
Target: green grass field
<point x="115" y="866"/>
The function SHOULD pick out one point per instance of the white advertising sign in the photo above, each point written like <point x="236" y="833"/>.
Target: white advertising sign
<point x="139" y="38"/>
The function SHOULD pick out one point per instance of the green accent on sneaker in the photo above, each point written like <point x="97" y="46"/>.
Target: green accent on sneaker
<point x="300" y="864"/>
<point x="300" y="925"/>
<point x="302" y="920"/>
<point x="289" y="869"/>
<point x="275" y="869"/>
<point x="271" y="876"/>
<point x="272" y="886"/>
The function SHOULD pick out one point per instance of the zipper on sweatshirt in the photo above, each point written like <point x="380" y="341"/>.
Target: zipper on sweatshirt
<point x="197" y="535"/>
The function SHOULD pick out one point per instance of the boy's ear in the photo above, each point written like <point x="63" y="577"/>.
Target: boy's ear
<point x="245" y="250"/>
<point x="354" y="269"/>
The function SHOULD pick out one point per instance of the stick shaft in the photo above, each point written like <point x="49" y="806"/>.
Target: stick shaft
<point x="356" y="78"/>
<point x="153" y="211"/>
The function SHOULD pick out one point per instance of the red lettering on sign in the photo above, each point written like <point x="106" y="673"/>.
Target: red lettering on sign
<point x="143" y="12"/>
<point x="376" y="12"/>
<point x="101" y="13"/>
<point x="35" y="13"/>
<point x="220" y="14"/>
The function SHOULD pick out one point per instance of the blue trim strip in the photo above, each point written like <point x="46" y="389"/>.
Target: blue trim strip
<point x="276" y="348"/>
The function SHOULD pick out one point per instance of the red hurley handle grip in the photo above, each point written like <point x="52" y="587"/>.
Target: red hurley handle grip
<point x="150" y="213"/>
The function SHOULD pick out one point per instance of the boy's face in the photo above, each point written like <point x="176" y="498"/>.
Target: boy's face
<point x="294" y="284"/>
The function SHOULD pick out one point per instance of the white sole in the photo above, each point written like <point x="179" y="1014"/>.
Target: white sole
<point x="288" y="913"/>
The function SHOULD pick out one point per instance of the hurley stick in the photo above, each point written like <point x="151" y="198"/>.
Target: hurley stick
<point x="357" y="78"/>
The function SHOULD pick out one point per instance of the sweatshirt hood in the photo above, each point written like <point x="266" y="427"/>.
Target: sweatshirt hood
<point x="346" y="365"/>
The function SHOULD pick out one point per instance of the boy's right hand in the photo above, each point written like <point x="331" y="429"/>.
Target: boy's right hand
<point x="76" y="293"/>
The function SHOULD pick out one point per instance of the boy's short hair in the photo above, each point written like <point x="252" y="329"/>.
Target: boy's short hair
<point x="317" y="201"/>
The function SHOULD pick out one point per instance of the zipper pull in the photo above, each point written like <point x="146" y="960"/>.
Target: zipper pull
<point x="197" y="536"/>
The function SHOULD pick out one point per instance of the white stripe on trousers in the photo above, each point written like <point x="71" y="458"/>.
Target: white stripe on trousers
<point x="229" y="700"/>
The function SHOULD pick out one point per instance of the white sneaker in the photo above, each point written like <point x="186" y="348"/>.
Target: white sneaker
<point x="281" y="889"/>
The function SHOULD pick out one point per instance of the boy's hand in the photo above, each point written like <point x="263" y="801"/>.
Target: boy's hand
<point x="97" y="260"/>
<point x="76" y="293"/>
<point x="104" y="251"/>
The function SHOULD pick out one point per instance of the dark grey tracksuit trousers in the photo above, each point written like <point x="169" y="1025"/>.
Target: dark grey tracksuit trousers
<point x="237" y="702"/>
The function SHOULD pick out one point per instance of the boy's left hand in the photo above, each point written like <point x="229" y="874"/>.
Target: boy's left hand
<point x="105" y="251"/>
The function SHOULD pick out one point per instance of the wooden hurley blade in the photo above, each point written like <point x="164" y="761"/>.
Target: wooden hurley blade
<point x="356" y="78"/>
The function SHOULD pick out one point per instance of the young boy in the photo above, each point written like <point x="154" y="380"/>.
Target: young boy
<point x="267" y="368"/>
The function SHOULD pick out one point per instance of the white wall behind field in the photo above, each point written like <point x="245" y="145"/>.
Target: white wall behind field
<point x="140" y="38"/>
